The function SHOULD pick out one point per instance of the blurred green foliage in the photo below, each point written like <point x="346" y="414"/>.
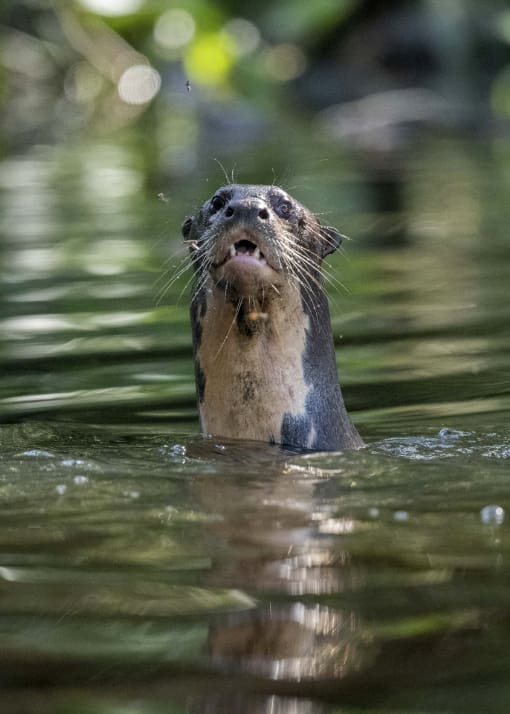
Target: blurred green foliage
<point x="178" y="84"/>
<point x="69" y="67"/>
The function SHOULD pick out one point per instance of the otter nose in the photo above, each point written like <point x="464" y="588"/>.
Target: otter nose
<point x="247" y="209"/>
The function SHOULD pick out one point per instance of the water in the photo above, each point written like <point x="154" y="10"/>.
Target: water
<point x="144" y="568"/>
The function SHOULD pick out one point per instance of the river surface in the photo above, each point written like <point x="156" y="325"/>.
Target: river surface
<point x="146" y="569"/>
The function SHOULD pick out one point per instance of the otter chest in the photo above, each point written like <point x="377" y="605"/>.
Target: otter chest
<point x="251" y="382"/>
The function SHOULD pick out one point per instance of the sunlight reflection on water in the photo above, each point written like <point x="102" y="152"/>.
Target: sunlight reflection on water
<point x="126" y="537"/>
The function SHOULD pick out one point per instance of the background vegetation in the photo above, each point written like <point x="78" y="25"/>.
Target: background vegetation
<point x="100" y="67"/>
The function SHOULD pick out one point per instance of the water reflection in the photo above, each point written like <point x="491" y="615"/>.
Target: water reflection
<point x="292" y="643"/>
<point x="287" y="537"/>
<point x="84" y="262"/>
<point x="231" y="576"/>
<point x="243" y="704"/>
<point x="240" y="573"/>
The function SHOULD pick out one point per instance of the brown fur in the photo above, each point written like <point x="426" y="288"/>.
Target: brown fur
<point x="251" y="383"/>
<point x="265" y="360"/>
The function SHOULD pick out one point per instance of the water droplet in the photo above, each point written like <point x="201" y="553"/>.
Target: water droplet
<point x="401" y="516"/>
<point x="39" y="453"/>
<point x="179" y="449"/>
<point x="446" y="433"/>
<point x="492" y="515"/>
<point x="132" y="494"/>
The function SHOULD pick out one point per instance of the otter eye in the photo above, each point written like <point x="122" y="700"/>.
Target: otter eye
<point x="283" y="208"/>
<point x="217" y="203"/>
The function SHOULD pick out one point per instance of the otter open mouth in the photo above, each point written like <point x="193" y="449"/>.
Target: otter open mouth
<point x="245" y="248"/>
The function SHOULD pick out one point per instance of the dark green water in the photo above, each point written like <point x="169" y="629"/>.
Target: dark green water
<point x="146" y="569"/>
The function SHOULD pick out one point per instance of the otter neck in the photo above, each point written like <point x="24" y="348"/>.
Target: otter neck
<point x="266" y="370"/>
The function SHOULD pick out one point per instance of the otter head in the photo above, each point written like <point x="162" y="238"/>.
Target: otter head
<point x="253" y="240"/>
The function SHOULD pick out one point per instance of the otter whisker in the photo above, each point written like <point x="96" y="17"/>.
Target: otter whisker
<point x="301" y="253"/>
<point x="186" y="263"/>
<point x="225" y="174"/>
<point x="198" y="288"/>
<point x="306" y="280"/>
<point x="234" y="320"/>
<point x="165" y="265"/>
<point x="186" y="286"/>
<point x="307" y="271"/>
<point x="329" y="277"/>
<point x="183" y="259"/>
<point x="203" y="276"/>
<point x="167" y="286"/>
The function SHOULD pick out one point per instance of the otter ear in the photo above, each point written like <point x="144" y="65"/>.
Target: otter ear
<point x="186" y="227"/>
<point x="330" y="240"/>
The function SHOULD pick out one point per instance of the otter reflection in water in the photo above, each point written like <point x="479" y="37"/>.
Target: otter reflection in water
<point x="264" y="354"/>
<point x="298" y="626"/>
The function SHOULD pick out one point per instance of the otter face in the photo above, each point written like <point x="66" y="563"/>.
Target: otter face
<point x="252" y="239"/>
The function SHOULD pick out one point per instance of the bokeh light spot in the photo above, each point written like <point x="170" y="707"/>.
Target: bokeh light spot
<point x="174" y="29"/>
<point x="285" y="62"/>
<point x="112" y="8"/>
<point x="139" y="84"/>
<point x="245" y="35"/>
<point x="209" y="59"/>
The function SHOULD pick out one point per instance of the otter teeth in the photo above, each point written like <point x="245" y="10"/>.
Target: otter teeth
<point x="240" y="248"/>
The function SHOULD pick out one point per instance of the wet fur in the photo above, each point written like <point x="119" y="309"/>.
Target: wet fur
<point x="264" y="353"/>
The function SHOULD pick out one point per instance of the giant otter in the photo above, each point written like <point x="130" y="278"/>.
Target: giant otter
<point x="264" y="354"/>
